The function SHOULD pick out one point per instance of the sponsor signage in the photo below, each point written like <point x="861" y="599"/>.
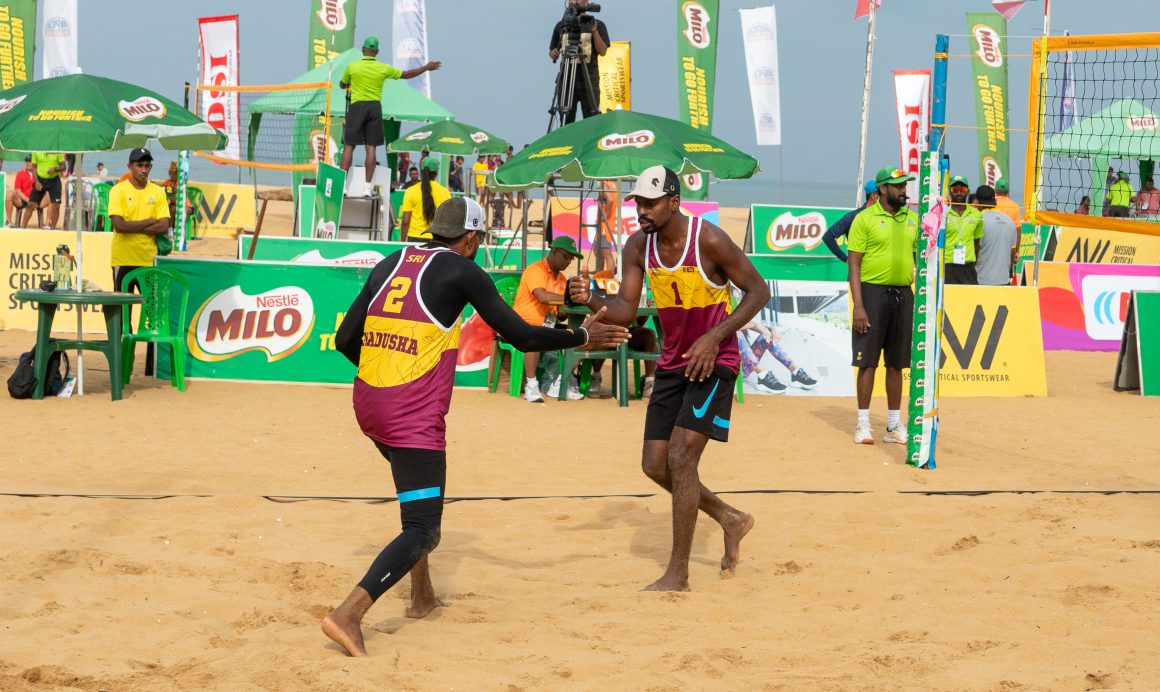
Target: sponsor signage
<point x="331" y="29"/>
<point x="362" y="253"/>
<point x="639" y="139"/>
<point x="912" y="98"/>
<point x="987" y="32"/>
<point x="697" y="69"/>
<point x="615" y="70"/>
<point x="782" y="230"/>
<point x="1138" y="365"/>
<point x="328" y="201"/>
<point x="140" y="109"/>
<point x="759" y="33"/>
<point x="26" y="256"/>
<point x="219" y="67"/>
<point x="225" y="207"/>
<point x="1091" y="246"/>
<point x="1083" y="306"/>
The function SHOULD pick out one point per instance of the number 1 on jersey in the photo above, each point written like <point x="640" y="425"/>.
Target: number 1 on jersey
<point x="677" y="295"/>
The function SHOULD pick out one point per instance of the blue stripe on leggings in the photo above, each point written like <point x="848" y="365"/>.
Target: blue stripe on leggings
<point x="721" y="422"/>
<point x="421" y="494"/>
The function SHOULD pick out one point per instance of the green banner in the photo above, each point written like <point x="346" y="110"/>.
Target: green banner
<point x="988" y="34"/>
<point x="328" y="200"/>
<point x="17" y="48"/>
<point x="696" y="75"/>
<point x="793" y="231"/>
<point x="331" y="29"/>
<point x="926" y="335"/>
<point x="1147" y="317"/>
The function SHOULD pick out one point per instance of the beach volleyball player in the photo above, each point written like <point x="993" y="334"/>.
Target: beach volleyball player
<point x="690" y="264"/>
<point x="402" y="331"/>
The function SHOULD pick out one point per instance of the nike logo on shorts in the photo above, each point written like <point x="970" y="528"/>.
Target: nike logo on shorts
<point x="700" y="411"/>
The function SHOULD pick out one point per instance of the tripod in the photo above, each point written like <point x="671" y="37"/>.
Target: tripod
<point x="575" y="54"/>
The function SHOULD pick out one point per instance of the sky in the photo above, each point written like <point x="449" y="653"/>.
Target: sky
<point x="496" y="73"/>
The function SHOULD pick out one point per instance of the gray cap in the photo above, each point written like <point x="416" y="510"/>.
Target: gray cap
<point x="455" y="217"/>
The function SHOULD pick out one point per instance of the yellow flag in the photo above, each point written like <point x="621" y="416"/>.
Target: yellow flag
<point x="616" y="77"/>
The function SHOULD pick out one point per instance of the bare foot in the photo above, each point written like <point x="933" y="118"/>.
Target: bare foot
<point x="422" y="607"/>
<point x="667" y="583"/>
<point x="348" y="635"/>
<point x="734" y="532"/>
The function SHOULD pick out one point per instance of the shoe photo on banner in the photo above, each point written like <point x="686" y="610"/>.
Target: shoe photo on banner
<point x="801" y="378"/>
<point x="769" y="383"/>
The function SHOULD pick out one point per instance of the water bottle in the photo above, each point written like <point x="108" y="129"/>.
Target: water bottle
<point x="62" y="263"/>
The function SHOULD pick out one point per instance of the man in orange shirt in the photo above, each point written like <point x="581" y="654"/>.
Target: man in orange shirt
<point x="1005" y="204"/>
<point x="541" y="288"/>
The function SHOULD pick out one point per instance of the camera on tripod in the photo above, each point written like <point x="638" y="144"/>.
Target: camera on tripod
<point x="577" y="19"/>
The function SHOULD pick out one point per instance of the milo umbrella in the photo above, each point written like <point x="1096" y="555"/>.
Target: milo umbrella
<point x="450" y="137"/>
<point x="83" y="113"/>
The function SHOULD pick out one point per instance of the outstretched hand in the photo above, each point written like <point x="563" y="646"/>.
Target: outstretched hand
<point x="578" y="288"/>
<point x="434" y="65"/>
<point x="602" y="335"/>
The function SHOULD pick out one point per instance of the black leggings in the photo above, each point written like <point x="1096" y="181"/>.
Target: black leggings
<point x="420" y="476"/>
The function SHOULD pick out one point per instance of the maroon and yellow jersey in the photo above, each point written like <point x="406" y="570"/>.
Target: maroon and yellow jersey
<point x="688" y="303"/>
<point x="406" y="367"/>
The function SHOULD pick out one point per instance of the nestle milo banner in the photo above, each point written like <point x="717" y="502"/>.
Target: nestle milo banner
<point x="696" y="76"/>
<point x="783" y="230"/>
<point x="988" y="37"/>
<point x="363" y="253"/>
<point x="331" y="30"/>
<point x="276" y="322"/>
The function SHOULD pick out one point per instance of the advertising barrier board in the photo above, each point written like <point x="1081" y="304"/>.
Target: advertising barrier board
<point x="224" y="208"/>
<point x="362" y="252"/>
<point x="1083" y="306"/>
<point x="27" y="259"/>
<point x="792" y="231"/>
<point x="1138" y="365"/>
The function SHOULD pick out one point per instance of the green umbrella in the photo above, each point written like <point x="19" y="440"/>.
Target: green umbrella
<point x="450" y="137"/>
<point x="621" y="144"/>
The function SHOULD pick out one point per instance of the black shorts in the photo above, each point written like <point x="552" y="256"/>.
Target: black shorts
<point x="420" y="477"/>
<point x="891" y="313"/>
<point x="51" y="186"/>
<point x="364" y="124"/>
<point x="961" y="274"/>
<point x="702" y="407"/>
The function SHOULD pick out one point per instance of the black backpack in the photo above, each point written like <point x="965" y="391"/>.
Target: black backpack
<point x="23" y="380"/>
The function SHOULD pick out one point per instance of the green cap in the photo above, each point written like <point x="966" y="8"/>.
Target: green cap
<point x="431" y="163"/>
<point x="892" y="175"/>
<point x="1001" y="185"/>
<point x="959" y="180"/>
<point x="567" y="245"/>
<point x="371" y="43"/>
<point x="1123" y="175"/>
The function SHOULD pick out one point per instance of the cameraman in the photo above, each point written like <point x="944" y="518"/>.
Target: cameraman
<point x="577" y="21"/>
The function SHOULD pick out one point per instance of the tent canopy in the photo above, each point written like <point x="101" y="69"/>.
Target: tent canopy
<point x="1126" y="129"/>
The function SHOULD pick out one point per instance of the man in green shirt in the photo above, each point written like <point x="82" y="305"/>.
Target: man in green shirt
<point x="964" y="234"/>
<point x="1120" y="196"/>
<point x="48" y="169"/>
<point x="881" y="245"/>
<point x="364" y="113"/>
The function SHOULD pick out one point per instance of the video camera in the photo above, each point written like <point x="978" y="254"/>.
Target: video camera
<point x="577" y="18"/>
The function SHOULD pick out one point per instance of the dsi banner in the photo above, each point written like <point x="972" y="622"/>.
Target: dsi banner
<point x="912" y="97"/>
<point x="1083" y="306"/>
<point x="218" y="45"/>
<point x="792" y="230"/>
<point x="1099" y="247"/>
<point x="58" y="32"/>
<point x="331" y="29"/>
<point x="696" y="75"/>
<point x="759" y="35"/>
<point x="224" y="208"/>
<point x="27" y="260"/>
<point x="409" y="31"/>
<point x="616" y="77"/>
<point x="988" y="32"/>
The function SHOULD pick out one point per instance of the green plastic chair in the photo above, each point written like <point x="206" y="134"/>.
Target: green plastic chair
<point x="507" y="287"/>
<point x="196" y="195"/>
<point x="100" y="203"/>
<point x="160" y="288"/>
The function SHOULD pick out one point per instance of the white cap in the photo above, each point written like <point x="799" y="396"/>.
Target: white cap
<point x="655" y="182"/>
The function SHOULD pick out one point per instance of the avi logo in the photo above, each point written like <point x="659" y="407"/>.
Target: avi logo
<point x="788" y="230"/>
<point x="696" y="24"/>
<point x="231" y="323"/>
<point x="332" y="14"/>
<point x="144" y="107"/>
<point x="639" y="139"/>
<point x="990" y="50"/>
<point x="218" y="216"/>
<point x="1093" y="253"/>
<point x="964" y="350"/>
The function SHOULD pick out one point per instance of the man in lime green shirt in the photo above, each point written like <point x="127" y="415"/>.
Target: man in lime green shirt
<point x="881" y="244"/>
<point x="364" y="113"/>
<point x="48" y="169"/>
<point x="1120" y="196"/>
<point x="964" y="235"/>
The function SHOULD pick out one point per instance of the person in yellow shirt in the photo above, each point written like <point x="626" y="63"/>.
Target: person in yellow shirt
<point x="1004" y="203"/>
<point x="364" y="114"/>
<point x="420" y="202"/>
<point x="480" y="168"/>
<point x="139" y="212"/>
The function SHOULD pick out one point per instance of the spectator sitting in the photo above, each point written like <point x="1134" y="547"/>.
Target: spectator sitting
<point x="1148" y="200"/>
<point x="101" y="172"/>
<point x="541" y="289"/>
<point x="1004" y="203"/>
<point x="420" y="202"/>
<point x="21" y="191"/>
<point x="1085" y="206"/>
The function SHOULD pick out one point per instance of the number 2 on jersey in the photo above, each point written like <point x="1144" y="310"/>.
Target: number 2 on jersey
<point x="394" y="301"/>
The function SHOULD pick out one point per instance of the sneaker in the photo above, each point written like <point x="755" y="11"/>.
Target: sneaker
<point x="594" y="384"/>
<point x="532" y="392"/>
<point x="897" y="435"/>
<point x="771" y="384"/>
<point x="554" y="389"/>
<point x="863" y="435"/>
<point x="646" y="389"/>
<point x="574" y="393"/>
<point x="801" y="378"/>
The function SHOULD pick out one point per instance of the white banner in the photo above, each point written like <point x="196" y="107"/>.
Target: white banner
<point x="409" y="31"/>
<point x="58" y="35"/>
<point x="759" y="31"/>
<point x="912" y="91"/>
<point x="218" y="45"/>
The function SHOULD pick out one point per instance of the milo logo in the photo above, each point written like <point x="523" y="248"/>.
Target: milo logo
<point x="418" y="136"/>
<point x="989" y="50"/>
<point x="320" y="143"/>
<point x="231" y="323"/>
<point x="789" y="230"/>
<point x="639" y="139"/>
<point x="991" y="170"/>
<point x="8" y="104"/>
<point x="479" y="137"/>
<point x="332" y="15"/>
<point x="325" y="229"/>
<point x="692" y="181"/>
<point x="144" y="107"/>
<point x="696" y="24"/>
<point x="361" y="258"/>
<point x="1136" y="123"/>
